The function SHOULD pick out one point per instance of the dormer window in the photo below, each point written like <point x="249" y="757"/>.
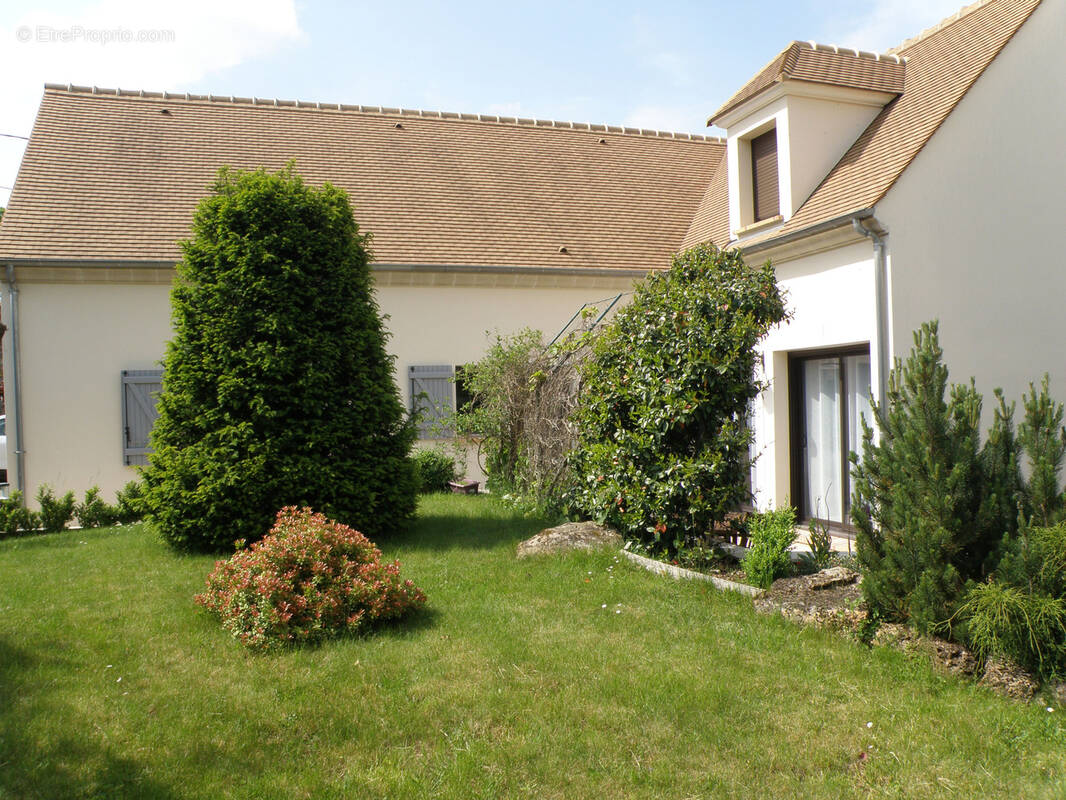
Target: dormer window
<point x="764" y="187"/>
<point x="789" y="125"/>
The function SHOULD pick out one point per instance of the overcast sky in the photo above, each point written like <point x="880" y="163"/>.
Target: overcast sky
<point x="665" y="65"/>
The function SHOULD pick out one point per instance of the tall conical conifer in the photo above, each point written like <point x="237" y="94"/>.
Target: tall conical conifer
<point x="277" y="389"/>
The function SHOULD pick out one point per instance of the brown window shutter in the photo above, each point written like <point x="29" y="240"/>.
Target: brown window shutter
<point x="765" y="200"/>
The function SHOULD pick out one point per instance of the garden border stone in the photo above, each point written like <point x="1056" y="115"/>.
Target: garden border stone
<point x="677" y="573"/>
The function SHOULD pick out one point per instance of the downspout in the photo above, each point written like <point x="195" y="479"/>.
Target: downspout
<point x="871" y="228"/>
<point x="16" y="389"/>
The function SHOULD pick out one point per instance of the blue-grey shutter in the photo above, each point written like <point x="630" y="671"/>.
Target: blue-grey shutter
<point x="432" y="394"/>
<point x="140" y="389"/>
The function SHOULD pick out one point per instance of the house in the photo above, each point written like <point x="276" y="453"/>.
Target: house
<point x="887" y="189"/>
<point x="479" y="224"/>
<point x="890" y="189"/>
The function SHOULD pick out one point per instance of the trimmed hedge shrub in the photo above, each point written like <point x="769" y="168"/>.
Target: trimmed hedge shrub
<point x="277" y="388"/>
<point x="93" y="512"/>
<point x="15" y="518"/>
<point x="663" y="451"/>
<point x="56" y="512"/>
<point x="308" y="579"/>
<point x="435" y="469"/>
<point x="129" y="503"/>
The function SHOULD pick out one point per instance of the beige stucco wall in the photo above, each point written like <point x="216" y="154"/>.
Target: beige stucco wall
<point x="77" y="337"/>
<point x="75" y="340"/>
<point x="975" y="222"/>
<point x="831" y="297"/>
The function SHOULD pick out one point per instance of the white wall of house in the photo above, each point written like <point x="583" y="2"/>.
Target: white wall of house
<point x="975" y="222"/>
<point x="831" y="297"/>
<point x="77" y="333"/>
<point x="815" y="125"/>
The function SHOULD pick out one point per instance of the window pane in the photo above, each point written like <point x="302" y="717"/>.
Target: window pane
<point x="858" y="381"/>
<point x="821" y="383"/>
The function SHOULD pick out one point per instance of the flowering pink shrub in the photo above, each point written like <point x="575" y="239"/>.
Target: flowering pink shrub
<point x="309" y="578"/>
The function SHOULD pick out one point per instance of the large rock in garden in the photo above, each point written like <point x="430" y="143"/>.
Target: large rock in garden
<point x="833" y="576"/>
<point x="1004" y="676"/>
<point x="570" y="536"/>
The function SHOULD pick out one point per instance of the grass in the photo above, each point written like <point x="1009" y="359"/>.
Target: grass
<point x="515" y="682"/>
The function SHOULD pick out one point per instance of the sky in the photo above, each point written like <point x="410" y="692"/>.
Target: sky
<point x="665" y="66"/>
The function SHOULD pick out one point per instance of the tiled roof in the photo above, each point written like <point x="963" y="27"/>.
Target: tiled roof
<point x="115" y="176"/>
<point x="711" y="223"/>
<point x="942" y="64"/>
<point x="819" y="63"/>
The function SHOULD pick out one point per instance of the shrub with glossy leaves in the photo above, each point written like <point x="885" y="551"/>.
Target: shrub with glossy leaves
<point x="310" y="578"/>
<point x="663" y="450"/>
<point x="277" y="388"/>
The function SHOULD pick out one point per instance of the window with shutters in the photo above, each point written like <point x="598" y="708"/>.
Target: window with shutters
<point x="432" y="398"/>
<point x="436" y="391"/>
<point x="140" y="391"/>
<point x="764" y="186"/>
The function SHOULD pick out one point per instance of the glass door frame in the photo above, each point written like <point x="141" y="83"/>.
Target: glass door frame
<point x="797" y="430"/>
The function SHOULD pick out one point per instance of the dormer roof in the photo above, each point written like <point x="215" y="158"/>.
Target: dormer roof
<point x="942" y="64"/>
<point x="827" y="64"/>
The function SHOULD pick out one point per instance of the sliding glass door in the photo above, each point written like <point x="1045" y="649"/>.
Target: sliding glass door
<point x="830" y="392"/>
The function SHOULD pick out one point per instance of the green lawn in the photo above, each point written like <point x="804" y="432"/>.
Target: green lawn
<point x="516" y="682"/>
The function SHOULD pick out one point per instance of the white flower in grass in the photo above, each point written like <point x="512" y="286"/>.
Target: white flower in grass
<point x="869" y="724"/>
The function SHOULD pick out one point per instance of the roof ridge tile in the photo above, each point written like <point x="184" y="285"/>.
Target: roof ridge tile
<point x="304" y="105"/>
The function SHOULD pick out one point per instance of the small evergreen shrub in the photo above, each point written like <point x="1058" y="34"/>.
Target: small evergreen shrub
<point x="1029" y="627"/>
<point x="771" y="534"/>
<point x="15" y="518"/>
<point x="435" y="469"/>
<point x="1022" y="612"/>
<point x="129" y="503"/>
<point x="1043" y="439"/>
<point x="93" y="512"/>
<point x="55" y="512"/>
<point x="662" y="414"/>
<point x="310" y="578"/>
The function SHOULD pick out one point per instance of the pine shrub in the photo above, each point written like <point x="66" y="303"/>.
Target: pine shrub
<point x="662" y="413"/>
<point x="277" y="388"/>
<point x="930" y="507"/>
<point x="1043" y="440"/>
<point x="309" y="579"/>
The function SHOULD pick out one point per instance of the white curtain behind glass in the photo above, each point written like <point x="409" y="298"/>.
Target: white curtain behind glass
<point x="821" y="382"/>
<point x="857" y="369"/>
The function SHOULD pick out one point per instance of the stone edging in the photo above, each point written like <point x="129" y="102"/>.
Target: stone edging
<point x="677" y="573"/>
